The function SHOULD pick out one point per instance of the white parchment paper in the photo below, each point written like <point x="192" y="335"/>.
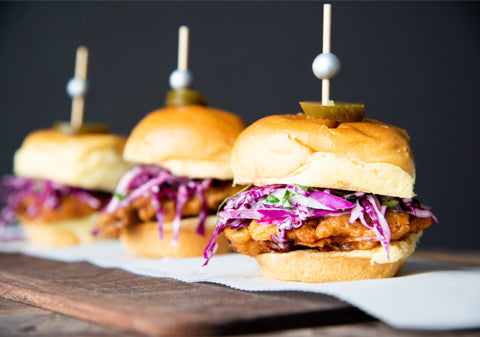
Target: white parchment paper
<point x="425" y="295"/>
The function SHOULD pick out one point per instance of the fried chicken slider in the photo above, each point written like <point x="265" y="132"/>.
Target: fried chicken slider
<point x="61" y="182"/>
<point x="327" y="201"/>
<point x="165" y="206"/>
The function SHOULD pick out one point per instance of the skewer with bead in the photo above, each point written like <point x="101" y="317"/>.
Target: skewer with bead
<point x="181" y="79"/>
<point x="326" y="65"/>
<point x="77" y="88"/>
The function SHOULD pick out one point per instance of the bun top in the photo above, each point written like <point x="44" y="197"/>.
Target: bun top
<point x="367" y="156"/>
<point x="89" y="161"/>
<point x="190" y="140"/>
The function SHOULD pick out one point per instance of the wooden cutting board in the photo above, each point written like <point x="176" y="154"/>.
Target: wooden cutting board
<point x="162" y="306"/>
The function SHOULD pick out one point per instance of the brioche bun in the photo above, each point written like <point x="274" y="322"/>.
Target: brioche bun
<point x="88" y="161"/>
<point x="192" y="141"/>
<point x="143" y="239"/>
<point x="62" y="233"/>
<point x="310" y="265"/>
<point x="367" y="156"/>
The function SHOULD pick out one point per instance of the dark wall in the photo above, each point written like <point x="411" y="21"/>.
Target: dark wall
<point x="414" y="65"/>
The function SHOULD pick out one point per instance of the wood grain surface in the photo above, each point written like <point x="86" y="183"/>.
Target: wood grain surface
<point x="21" y="320"/>
<point x="466" y="258"/>
<point x="162" y="306"/>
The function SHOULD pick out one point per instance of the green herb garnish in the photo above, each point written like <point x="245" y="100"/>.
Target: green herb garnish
<point x="232" y="196"/>
<point x="285" y="198"/>
<point x="271" y="199"/>
<point x="305" y="188"/>
<point x="392" y="203"/>
<point x="119" y="196"/>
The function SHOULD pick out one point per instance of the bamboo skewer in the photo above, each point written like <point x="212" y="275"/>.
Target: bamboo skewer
<point x="183" y="34"/>
<point x="78" y="102"/>
<point x="182" y="78"/>
<point x="327" y="20"/>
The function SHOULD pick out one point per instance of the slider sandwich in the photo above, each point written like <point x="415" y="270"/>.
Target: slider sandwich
<point x="330" y="193"/>
<point x="165" y="206"/>
<point x="64" y="175"/>
<point x="61" y="181"/>
<point x="326" y="200"/>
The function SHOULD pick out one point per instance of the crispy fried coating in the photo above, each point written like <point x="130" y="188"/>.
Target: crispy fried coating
<point x="333" y="233"/>
<point x="141" y="210"/>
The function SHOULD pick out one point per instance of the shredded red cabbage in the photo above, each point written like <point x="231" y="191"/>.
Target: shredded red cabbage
<point x="155" y="182"/>
<point x="290" y="206"/>
<point x="45" y="193"/>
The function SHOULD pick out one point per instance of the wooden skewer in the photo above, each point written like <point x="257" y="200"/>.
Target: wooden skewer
<point x="81" y="63"/>
<point x="78" y="102"/>
<point x="327" y="19"/>
<point x="183" y="33"/>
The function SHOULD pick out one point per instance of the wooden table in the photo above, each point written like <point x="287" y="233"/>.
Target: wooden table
<point x="110" y="302"/>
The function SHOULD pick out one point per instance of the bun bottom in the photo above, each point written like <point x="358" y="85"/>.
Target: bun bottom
<point x="313" y="266"/>
<point x="62" y="233"/>
<point x="143" y="240"/>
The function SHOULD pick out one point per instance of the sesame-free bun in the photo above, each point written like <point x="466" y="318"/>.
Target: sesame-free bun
<point x="190" y="140"/>
<point x="88" y="161"/>
<point x="368" y="156"/>
<point x="143" y="240"/>
<point x="310" y="265"/>
<point x="64" y="233"/>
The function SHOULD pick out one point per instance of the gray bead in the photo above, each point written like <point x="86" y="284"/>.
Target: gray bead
<point x="181" y="79"/>
<point x="326" y="66"/>
<point x="77" y="87"/>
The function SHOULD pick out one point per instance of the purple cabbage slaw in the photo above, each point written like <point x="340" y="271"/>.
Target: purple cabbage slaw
<point x="47" y="194"/>
<point x="290" y="206"/>
<point x="155" y="182"/>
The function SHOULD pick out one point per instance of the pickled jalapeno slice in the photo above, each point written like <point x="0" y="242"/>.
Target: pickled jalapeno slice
<point x="184" y="96"/>
<point x="66" y="127"/>
<point x="336" y="111"/>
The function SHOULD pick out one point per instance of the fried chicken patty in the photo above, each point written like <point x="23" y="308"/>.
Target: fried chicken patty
<point x="333" y="233"/>
<point x="141" y="210"/>
<point x="67" y="207"/>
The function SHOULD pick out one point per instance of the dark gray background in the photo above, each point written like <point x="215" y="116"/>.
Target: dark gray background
<point x="414" y="65"/>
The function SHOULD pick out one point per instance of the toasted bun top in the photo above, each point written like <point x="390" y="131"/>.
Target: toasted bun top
<point x="90" y="161"/>
<point x="192" y="140"/>
<point x="367" y="156"/>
